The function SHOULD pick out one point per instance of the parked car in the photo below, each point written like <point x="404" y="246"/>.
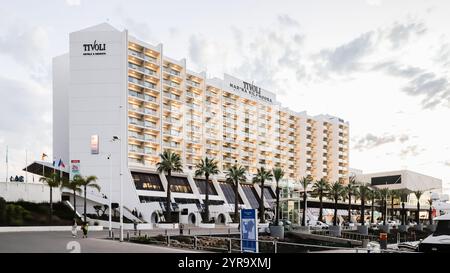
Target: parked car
<point x="318" y="224"/>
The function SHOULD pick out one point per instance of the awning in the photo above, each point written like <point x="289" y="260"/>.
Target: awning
<point x="43" y="168"/>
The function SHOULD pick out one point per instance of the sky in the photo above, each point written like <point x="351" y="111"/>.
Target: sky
<point x="381" y="65"/>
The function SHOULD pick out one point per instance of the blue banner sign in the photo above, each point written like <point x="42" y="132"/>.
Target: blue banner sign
<point x="249" y="231"/>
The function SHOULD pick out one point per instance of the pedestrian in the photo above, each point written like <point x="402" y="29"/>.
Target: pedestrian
<point x="181" y="228"/>
<point x="135" y="227"/>
<point x="74" y="228"/>
<point x="85" y="229"/>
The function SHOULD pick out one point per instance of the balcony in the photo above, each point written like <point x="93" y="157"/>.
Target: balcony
<point x="135" y="121"/>
<point x="136" y="54"/>
<point x="135" y="135"/>
<point x="175" y="122"/>
<point x="142" y="69"/>
<point x="172" y="96"/>
<point x="172" y="84"/>
<point x="192" y="83"/>
<point x="135" y="149"/>
<point x="193" y="140"/>
<point x="172" y="145"/>
<point x="193" y="95"/>
<point x="172" y="71"/>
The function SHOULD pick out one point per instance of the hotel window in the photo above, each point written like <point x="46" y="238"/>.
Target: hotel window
<point x="180" y="184"/>
<point x="251" y="195"/>
<point x="201" y="185"/>
<point x="228" y="191"/>
<point x="147" y="181"/>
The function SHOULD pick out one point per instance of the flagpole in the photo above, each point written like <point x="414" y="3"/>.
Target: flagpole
<point x="26" y="166"/>
<point x="6" y="168"/>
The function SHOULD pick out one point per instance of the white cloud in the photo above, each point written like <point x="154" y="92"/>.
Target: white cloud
<point x="73" y="2"/>
<point x="374" y="2"/>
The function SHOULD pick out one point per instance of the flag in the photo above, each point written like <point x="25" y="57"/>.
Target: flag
<point x="43" y="156"/>
<point x="61" y="163"/>
<point x="54" y="162"/>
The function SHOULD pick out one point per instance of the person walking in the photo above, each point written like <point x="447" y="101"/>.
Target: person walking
<point x="85" y="229"/>
<point x="74" y="228"/>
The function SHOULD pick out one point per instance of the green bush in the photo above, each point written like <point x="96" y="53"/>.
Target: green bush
<point x="16" y="215"/>
<point x="2" y="211"/>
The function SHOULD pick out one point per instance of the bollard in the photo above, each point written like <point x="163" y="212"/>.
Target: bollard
<point x="398" y="238"/>
<point x="229" y="232"/>
<point x="112" y="235"/>
<point x="229" y="245"/>
<point x="189" y="231"/>
<point x="275" y="246"/>
<point x="168" y="240"/>
<point x="139" y="233"/>
<point x="165" y="232"/>
<point x="128" y="236"/>
<point x="383" y="240"/>
<point x="195" y="242"/>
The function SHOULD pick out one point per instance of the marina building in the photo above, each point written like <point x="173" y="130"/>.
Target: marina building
<point x="118" y="102"/>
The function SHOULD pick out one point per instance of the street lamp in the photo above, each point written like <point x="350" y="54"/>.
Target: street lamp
<point x="115" y="139"/>
<point x="110" y="194"/>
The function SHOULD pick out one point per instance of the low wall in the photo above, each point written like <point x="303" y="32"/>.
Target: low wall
<point x="46" y="228"/>
<point x="30" y="192"/>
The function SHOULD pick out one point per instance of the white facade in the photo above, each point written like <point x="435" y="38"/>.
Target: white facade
<point x="111" y="84"/>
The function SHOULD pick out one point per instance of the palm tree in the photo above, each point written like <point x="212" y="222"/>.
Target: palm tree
<point x="320" y="189"/>
<point x="418" y="194"/>
<point x="349" y="191"/>
<point x="363" y="192"/>
<point x="430" y="211"/>
<point x="75" y="186"/>
<point x="278" y="174"/>
<point x="85" y="182"/>
<point x="403" y="194"/>
<point x="336" y="192"/>
<point x="236" y="175"/>
<point x="206" y="168"/>
<point x="384" y="192"/>
<point x="393" y="194"/>
<point x="53" y="181"/>
<point x="373" y="194"/>
<point x="261" y="176"/>
<point x="305" y="181"/>
<point x="170" y="162"/>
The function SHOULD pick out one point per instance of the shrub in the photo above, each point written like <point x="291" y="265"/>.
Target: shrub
<point x="2" y="211"/>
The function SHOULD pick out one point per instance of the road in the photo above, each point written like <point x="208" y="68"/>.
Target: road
<point x="63" y="242"/>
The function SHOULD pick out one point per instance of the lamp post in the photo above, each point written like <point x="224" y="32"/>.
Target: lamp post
<point x="110" y="194"/>
<point x="114" y="139"/>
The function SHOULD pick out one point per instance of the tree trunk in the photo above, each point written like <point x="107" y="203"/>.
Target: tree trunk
<point x="363" y="222"/>
<point x="74" y="205"/>
<point x="373" y="210"/>
<point x="418" y="212"/>
<point x="403" y="214"/>
<point x="383" y="212"/>
<point x="261" y="203"/>
<point x="51" y="205"/>
<point x="430" y="215"/>
<point x="335" y="211"/>
<point x="277" y="213"/>
<point x="236" y="202"/>
<point x="85" y="203"/>
<point x="321" y="205"/>
<point x="168" y="200"/>
<point x="392" y="208"/>
<point x="349" y="207"/>
<point x="206" y="215"/>
<point x="304" y="209"/>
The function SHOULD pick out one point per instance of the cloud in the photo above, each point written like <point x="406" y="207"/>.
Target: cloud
<point x="26" y="45"/>
<point x="435" y="89"/>
<point x="271" y="56"/>
<point x="374" y="2"/>
<point x="411" y="151"/>
<point x="371" y="141"/>
<point x="139" y="29"/>
<point x="400" y="33"/>
<point x="288" y="21"/>
<point x="447" y="163"/>
<point x="73" y="2"/>
<point x="28" y="122"/>
<point x="346" y="57"/>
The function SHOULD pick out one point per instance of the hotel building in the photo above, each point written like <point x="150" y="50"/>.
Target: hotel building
<point x="112" y="84"/>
